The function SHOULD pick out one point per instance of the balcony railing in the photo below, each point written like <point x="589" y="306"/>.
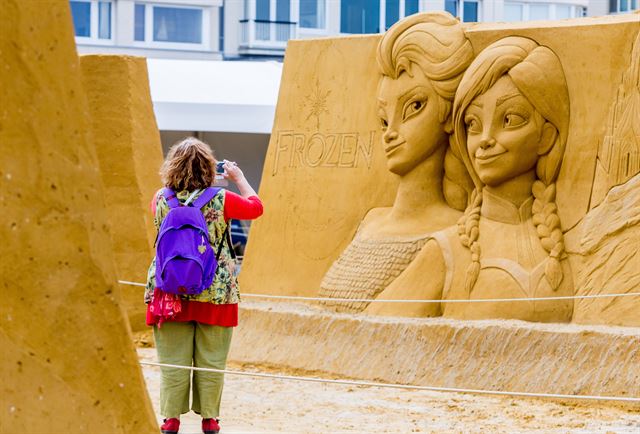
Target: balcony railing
<point x="265" y="37"/>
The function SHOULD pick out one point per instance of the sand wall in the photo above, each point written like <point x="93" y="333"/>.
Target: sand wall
<point x="129" y="151"/>
<point x="493" y="355"/>
<point x="68" y="361"/>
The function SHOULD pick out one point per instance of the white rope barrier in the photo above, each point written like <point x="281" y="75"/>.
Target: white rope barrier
<point x="398" y="386"/>
<point x="377" y="300"/>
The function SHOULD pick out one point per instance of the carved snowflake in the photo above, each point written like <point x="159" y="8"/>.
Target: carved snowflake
<point x="316" y="103"/>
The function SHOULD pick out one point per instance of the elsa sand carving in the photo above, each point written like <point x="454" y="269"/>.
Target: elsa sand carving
<point x="511" y="117"/>
<point x="421" y="59"/>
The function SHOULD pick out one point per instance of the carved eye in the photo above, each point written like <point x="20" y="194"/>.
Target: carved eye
<point x="513" y="120"/>
<point x="473" y="125"/>
<point x="412" y="108"/>
<point x="384" y="123"/>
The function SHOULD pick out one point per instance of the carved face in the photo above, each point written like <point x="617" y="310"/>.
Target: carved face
<point x="505" y="133"/>
<point x="408" y="111"/>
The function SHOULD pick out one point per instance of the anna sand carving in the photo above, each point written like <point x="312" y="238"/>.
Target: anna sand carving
<point x="422" y="60"/>
<point x="511" y="117"/>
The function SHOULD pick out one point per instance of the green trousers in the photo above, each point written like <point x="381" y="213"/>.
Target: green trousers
<point x="191" y="344"/>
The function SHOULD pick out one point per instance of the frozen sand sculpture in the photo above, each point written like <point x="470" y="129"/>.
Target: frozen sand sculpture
<point x="326" y="170"/>
<point x="511" y="116"/>
<point x="68" y="362"/>
<point x="422" y="60"/>
<point x="334" y="178"/>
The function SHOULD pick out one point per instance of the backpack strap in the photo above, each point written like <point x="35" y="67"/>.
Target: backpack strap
<point x="205" y="197"/>
<point x="171" y="198"/>
<point x="226" y="238"/>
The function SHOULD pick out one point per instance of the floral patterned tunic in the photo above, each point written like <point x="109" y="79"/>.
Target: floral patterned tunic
<point x="224" y="289"/>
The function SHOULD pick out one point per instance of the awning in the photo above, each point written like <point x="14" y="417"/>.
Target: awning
<point x="204" y="95"/>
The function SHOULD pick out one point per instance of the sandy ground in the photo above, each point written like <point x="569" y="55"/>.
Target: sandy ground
<point x="259" y="405"/>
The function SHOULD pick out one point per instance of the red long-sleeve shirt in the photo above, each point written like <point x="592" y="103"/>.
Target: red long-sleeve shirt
<point x="225" y="315"/>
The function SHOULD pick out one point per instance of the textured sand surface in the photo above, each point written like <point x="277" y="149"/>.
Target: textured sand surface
<point x="488" y="354"/>
<point x="256" y="405"/>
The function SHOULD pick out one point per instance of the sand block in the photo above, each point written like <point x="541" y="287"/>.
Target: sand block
<point x="488" y="354"/>
<point x="69" y="364"/>
<point x="127" y="143"/>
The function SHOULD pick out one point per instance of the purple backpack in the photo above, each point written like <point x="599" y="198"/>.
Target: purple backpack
<point x="185" y="263"/>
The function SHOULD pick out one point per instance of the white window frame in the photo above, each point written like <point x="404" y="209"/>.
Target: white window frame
<point x="313" y="30"/>
<point x="148" y="42"/>
<point x="575" y="11"/>
<point x="94" y="23"/>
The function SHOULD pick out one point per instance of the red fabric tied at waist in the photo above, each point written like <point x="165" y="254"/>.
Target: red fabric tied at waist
<point x="170" y="307"/>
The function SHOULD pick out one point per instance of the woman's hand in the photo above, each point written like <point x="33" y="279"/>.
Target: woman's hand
<point x="232" y="172"/>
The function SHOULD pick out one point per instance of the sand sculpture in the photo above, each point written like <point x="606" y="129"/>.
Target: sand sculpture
<point x="129" y="152"/>
<point x="534" y="237"/>
<point x="511" y="115"/>
<point x="68" y="361"/>
<point x="414" y="101"/>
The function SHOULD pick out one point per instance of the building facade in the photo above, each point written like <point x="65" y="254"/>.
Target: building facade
<point x="208" y="94"/>
<point x="258" y="29"/>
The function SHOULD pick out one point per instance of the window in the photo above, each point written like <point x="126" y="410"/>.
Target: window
<point x="410" y="7"/>
<point x="451" y="6"/>
<point x="92" y="19"/>
<point x="392" y="12"/>
<point x="513" y="11"/>
<point x="623" y="5"/>
<point x="312" y="14"/>
<point x="171" y="26"/>
<point x="467" y="10"/>
<point x="139" y="23"/>
<point x="81" y="12"/>
<point x="470" y="12"/>
<point x="177" y="25"/>
<point x="263" y="8"/>
<point x="360" y="16"/>
<point x="538" y="11"/>
<point x="283" y="11"/>
<point x="264" y="12"/>
<point x="373" y="16"/>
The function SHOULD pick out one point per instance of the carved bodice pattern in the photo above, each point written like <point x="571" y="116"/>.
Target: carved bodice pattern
<point x="366" y="267"/>
<point x="512" y="265"/>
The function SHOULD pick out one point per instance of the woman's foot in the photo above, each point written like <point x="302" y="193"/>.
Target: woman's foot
<point x="210" y="426"/>
<point x="170" y="426"/>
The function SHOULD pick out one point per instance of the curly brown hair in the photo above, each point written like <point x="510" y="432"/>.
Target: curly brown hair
<point x="189" y="165"/>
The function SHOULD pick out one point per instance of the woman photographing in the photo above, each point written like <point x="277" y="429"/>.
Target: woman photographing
<point x="193" y="327"/>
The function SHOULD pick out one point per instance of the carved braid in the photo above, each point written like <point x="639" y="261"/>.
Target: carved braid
<point x="469" y="231"/>
<point x="547" y="223"/>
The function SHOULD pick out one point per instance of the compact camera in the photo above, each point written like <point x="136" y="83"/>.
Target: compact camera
<point x="220" y="167"/>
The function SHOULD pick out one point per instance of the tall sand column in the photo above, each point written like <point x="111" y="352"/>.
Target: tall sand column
<point x="127" y="142"/>
<point x="68" y="363"/>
